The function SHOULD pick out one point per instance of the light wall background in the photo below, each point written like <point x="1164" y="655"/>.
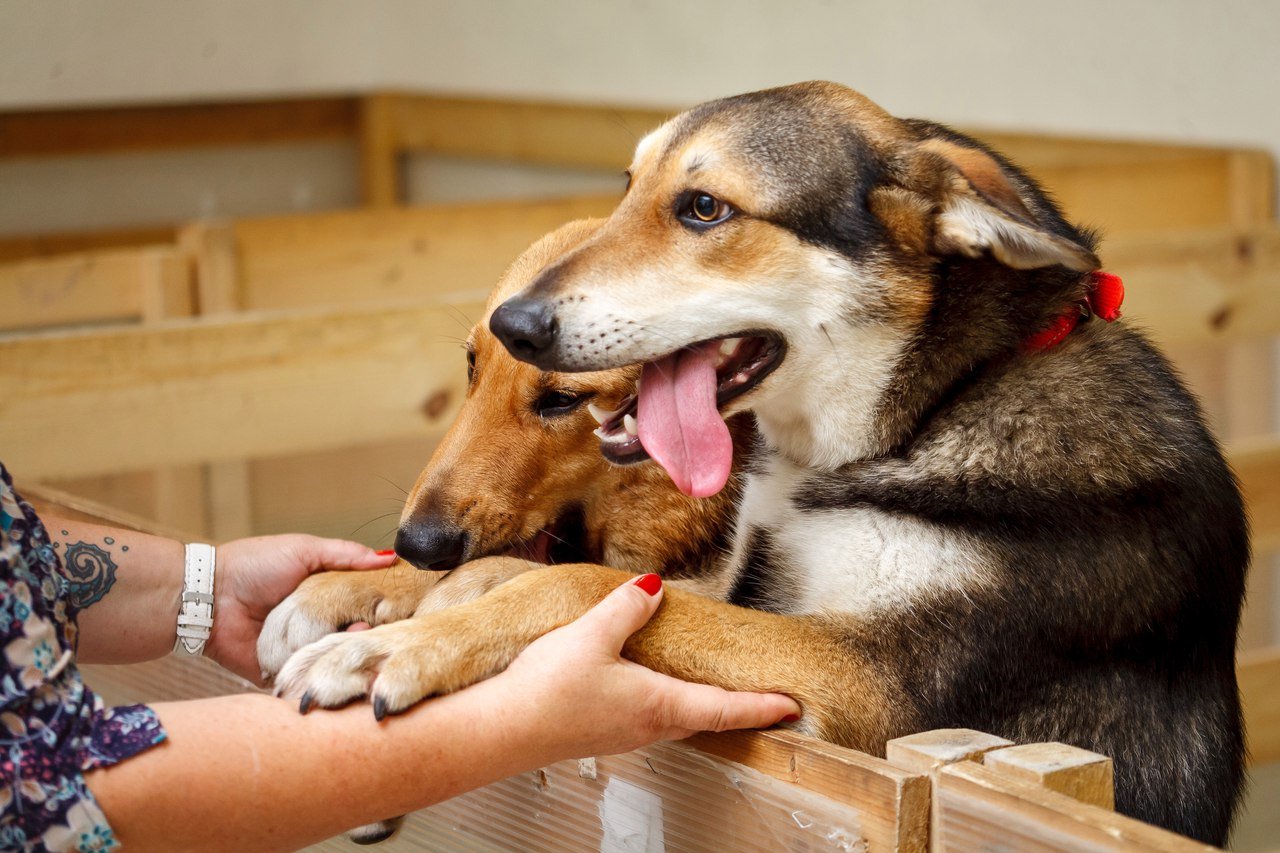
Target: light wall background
<point x="1148" y="69"/>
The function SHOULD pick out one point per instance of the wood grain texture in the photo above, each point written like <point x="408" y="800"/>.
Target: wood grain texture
<point x="1080" y="774"/>
<point x="1259" y="674"/>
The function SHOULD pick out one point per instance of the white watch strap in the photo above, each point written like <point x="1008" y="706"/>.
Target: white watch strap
<point x="195" y="616"/>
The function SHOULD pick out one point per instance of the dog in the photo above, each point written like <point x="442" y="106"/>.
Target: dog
<point x="969" y="506"/>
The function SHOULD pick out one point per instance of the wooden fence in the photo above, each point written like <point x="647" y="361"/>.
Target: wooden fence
<point x="239" y="377"/>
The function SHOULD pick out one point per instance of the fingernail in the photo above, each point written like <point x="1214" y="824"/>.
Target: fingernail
<point x="790" y="718"/>
<point x="387" y="553"/>
<point x="650" y="583"/>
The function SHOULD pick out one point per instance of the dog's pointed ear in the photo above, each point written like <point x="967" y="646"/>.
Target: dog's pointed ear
<point x="962" y="201"/>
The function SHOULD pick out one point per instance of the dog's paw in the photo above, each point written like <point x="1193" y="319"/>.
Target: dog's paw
<point x="330" y="601"/>
<point x="471" y="581"/>
<point x="375" y="833"/>
<point x="395" y="665"/>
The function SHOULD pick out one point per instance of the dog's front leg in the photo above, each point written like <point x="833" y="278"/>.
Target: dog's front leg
<point x="327" y="602"/>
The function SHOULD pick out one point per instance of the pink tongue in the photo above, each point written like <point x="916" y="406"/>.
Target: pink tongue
<point x="678" y="422"/>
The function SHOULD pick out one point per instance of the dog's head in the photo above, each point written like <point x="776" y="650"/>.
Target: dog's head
<point x="801" y="253"/>
<point x="519" y="472"/>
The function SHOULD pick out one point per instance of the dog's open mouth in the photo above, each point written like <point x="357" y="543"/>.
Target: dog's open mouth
<point x="674" y="416"/>
<point x="562" y="541"/>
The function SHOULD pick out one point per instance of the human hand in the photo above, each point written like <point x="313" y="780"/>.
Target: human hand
<point x="581" y="697"/>
<point x="254" y="575"/>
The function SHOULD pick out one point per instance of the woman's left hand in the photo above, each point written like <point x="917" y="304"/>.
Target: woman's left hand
<point x="254" y="575"/>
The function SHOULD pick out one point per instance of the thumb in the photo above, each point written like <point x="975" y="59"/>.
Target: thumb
<point x="703" y="708"/>
<point x="624" y="611"/>
<point x="319" y="554"/>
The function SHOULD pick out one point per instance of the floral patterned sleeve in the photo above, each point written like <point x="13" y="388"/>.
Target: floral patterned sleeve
<point x="52" y="727"/>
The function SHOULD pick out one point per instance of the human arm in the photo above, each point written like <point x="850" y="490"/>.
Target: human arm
<point x="247" y="772"/>
<point x="127" y="587"/>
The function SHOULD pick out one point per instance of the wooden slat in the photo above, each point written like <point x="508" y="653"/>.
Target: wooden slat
<point x="1259" y="674"/>
<point x="120" y="285"/>
<point x="23" y="247"/>
<point x="1080" y="774"/>
<point x="42" y="133"/>
<point x="94" y="402"/>
<point x="359" y="257"/>
<point x="544" y="133"/>
<point x="1257" y="465"/>
<point x="979" y="809"/>
<point x="894" y="803"/>
<point x="381" y="182"/>
<point x="1206" y="285"/>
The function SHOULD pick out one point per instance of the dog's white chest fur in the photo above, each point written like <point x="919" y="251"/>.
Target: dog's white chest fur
<point x="858" y="560"/>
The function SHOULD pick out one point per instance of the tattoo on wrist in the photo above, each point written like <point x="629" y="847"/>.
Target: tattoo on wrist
<point x="89" y="570"/>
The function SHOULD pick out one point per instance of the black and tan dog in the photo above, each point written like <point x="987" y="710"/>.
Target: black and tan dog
<point x="940" y="528"/>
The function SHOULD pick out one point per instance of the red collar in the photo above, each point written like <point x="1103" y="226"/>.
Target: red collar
<point x="1102" y="299"/>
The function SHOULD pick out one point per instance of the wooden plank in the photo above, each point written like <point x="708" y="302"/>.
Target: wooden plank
<point x="925" y="752"/>
<point x="361" y="257"/>
<point x="979" y="809"/>
<point x="150" y="127"/>
<point x="1205" y="285"/>
<point x="122" y="285"/>
<point x="215" y="260"/>
<point x="1259" y="674"/>
<point x="1257" y="465"/>
<point x="25" y="246"/>
<point x="555" y="134"/>
<point x="893" y="802"/>
<point x="96" y="402"/>
<point x="49" y="500"/>
<point x="1080" y="774"/>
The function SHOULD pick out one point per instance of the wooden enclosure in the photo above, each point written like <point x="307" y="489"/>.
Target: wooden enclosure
<point x="258" y="375"/>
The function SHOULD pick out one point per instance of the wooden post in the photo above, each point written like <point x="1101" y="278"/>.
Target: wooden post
<point x="213" y="252"/>
<point x="1078" y="773"/>
<point x="379" y="150"/>
<point x="927" y="751"/>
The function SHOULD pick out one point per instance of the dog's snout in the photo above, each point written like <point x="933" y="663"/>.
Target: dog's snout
<point x="429" y="542"/>
<point x="526" y="327"/>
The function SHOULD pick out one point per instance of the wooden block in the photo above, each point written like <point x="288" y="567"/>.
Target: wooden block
<point x="976" y="808"/>
<point x="927" y="751"/>
<point x="894" y="803"/>
<point x="1080" y="774"/>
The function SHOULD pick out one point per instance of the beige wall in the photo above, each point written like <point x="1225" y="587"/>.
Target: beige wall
<point x="1178" y="69"/>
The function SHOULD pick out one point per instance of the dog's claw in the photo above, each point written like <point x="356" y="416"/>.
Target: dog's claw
<point x="304" y="705"/>
<point x="379" y="708"/>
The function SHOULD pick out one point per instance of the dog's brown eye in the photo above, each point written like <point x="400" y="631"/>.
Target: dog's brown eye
<point x="471" y="365"/>
<point x="700" y="209"/>
<point x="553" y="404"/>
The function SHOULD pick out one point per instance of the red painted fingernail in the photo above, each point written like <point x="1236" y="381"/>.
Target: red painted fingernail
<point x="649" y="583"/>
<point x="387" y="553"/>
<point x="790" y="718"/>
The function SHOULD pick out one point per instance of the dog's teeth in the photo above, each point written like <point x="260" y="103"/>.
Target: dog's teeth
<point x="728" y="345"/>
<point x="601" y="415"/>
<point x="600" y="434"/>
<point x="629" y="423"/>
<point x="741" y="378"/>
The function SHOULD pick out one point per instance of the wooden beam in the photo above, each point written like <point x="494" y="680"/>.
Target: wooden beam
<point x="555" y="134"/>
<point x="977" y="808"/>
<point x="93" y="402"/>
<point x="362" y="257"/>
<point x="156" y="127"/>
<point x="381" y="183"/>
<point x="24" y="247"/>
<point x="121" y="285"/>
<point x="894" y="803"/>
<point x="1257" y="465"/>
<point x="1259" y="675"/>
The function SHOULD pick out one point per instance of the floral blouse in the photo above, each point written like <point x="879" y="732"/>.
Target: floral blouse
<point x="52" y="727"/>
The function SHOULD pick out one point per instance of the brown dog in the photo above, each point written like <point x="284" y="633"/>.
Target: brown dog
<point x="970" y="505"/>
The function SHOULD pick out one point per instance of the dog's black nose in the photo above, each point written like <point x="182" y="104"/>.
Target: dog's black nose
<point x="430" y="543"/>
<point x="526" y="327"/>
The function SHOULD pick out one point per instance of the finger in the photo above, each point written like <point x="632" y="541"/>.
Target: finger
<point x="321" y="554"/>
<point x="624" y="611"/>
<point x="702" y="708"/>
<point x="359" y="626"/>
